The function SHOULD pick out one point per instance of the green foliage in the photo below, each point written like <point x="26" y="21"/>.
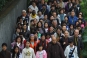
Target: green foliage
<point x="84" y="8"/>
<point x="84" y="35"/>
<point x="3" y="3"/>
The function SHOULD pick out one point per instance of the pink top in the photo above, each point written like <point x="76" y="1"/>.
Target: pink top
<point x="41" y="54"/>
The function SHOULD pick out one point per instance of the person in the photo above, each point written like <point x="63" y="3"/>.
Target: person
<point x="72" y="18"/>
<point x="24" y="16"/>
<point x="64" y="40"/>
<point x="18" y="42"/>
<point x="43" y="42"/>
<point x="71" y="50"/>
<point x="5" y="53"/>
<point x="16" y="53"/>
<point x="33" y="43"/>
<point x="71" y="30"/>
<point x="54" y="49"/>
<point x="77" y="40"/>
<point x="18" y="30"/>
<point x="25" y="32"/>
<point x="33" y="7"/>
<point x="28" y="52"/>
<point x="61" y="4"/>
<point x="33" y="16"/>
<point x="61" y="15"/>
<point x="46" y="27"/>
<point x="41" y="53"/>
<point x="44" y="10"/>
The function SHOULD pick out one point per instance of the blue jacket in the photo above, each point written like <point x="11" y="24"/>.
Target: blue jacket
<point x="72" y="20"/>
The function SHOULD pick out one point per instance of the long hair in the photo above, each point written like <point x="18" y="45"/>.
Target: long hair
<point x="20" y="38"/>
<point x="13" y="52"/>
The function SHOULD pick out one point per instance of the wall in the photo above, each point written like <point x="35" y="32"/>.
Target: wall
<point x="8" y="23"/>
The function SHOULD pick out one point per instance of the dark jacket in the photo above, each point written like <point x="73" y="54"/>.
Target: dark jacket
<point x="55" y="51"/>
<point x="62" y="40"/>
<point x="5" y="54"/>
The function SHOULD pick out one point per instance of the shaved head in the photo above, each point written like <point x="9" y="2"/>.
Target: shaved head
<point x="54" y="40"/>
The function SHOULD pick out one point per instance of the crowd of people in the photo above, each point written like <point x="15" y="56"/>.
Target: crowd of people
<point x="48" y="29"/>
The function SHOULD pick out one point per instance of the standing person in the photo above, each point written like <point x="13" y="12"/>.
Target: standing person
<point x="28" y="52"/>
<point x="71" y="50"/>
<point x="72" y="18"/>
<point x="16" y="52"/>
<point x="43" y="42"/>
<point x="18" y="42"/>
<point x="33" y="42"/>
<point x="5" y="53"/>
<point x="64" y="40"/>
<point x="41" y="53"/>
<point x="77" y="41"/>
<point x="54" y="49"/>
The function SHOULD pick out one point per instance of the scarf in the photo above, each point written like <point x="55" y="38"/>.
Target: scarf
<point x="33" y="16"/>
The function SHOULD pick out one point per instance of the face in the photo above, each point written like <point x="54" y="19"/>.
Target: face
<point x="54" y="14"/>
<point x="45" y="17"/>
<point x="72" y="13"/>
<point x="46" y="25"/>
<point x="35" y="21"/>
<point x="71" y="44"/>
<point x="66" y="18"/>
<point x="58" y="31"/>
<point x="80" y="21"/>
<point x="53" y="8"/>
<point x="16" y="50"/>
<point x="25" y="22"/>
<point x="80" y="16"/>
<point x="40" y="48"/>
<point x="34" y="4"/>
<point x="43" y="37"/>
<point x="51" y="28"/>
<point x="18" y="40"/>
<point x="21" y="20"/>
<point x="23" y="13"/>
<point x="51" y="18"/>
<point x="76" y="33"/>
<point x="35" y="35"/>
<point x="54" y="40"/>
<point x="39" y="13"/>
<point x="71" y="27"/>
<point x="55" y="23"/>
<point x="64" y="28"/>
<point x="24" y="27"/>
<point x="39" y="24"/>
<point x="32" y="38"/>
<point x="27" y="44"/>
<point x="30" y="10"/>
<point x="66" y="33"/>
<point x="4" y="48"/>
<point x="18" y="30"/>
<point x="77" y="23"/>
<point x="61" y="11"/>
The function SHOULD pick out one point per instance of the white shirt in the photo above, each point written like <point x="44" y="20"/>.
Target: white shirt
<point x="28" y="53"/>
<point x="67" y="50"/>
<point x="41" y="54"/>
<point x="34" y="8"/>
<point x="18" y="44"/>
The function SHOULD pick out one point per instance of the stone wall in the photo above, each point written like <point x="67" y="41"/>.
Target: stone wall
<point x="8" y="22"/>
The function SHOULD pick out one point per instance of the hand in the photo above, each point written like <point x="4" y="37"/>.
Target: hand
<point x="64" y="43"/>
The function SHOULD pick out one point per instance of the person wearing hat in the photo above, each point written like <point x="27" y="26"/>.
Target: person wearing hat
<point x="5" y="53"/>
